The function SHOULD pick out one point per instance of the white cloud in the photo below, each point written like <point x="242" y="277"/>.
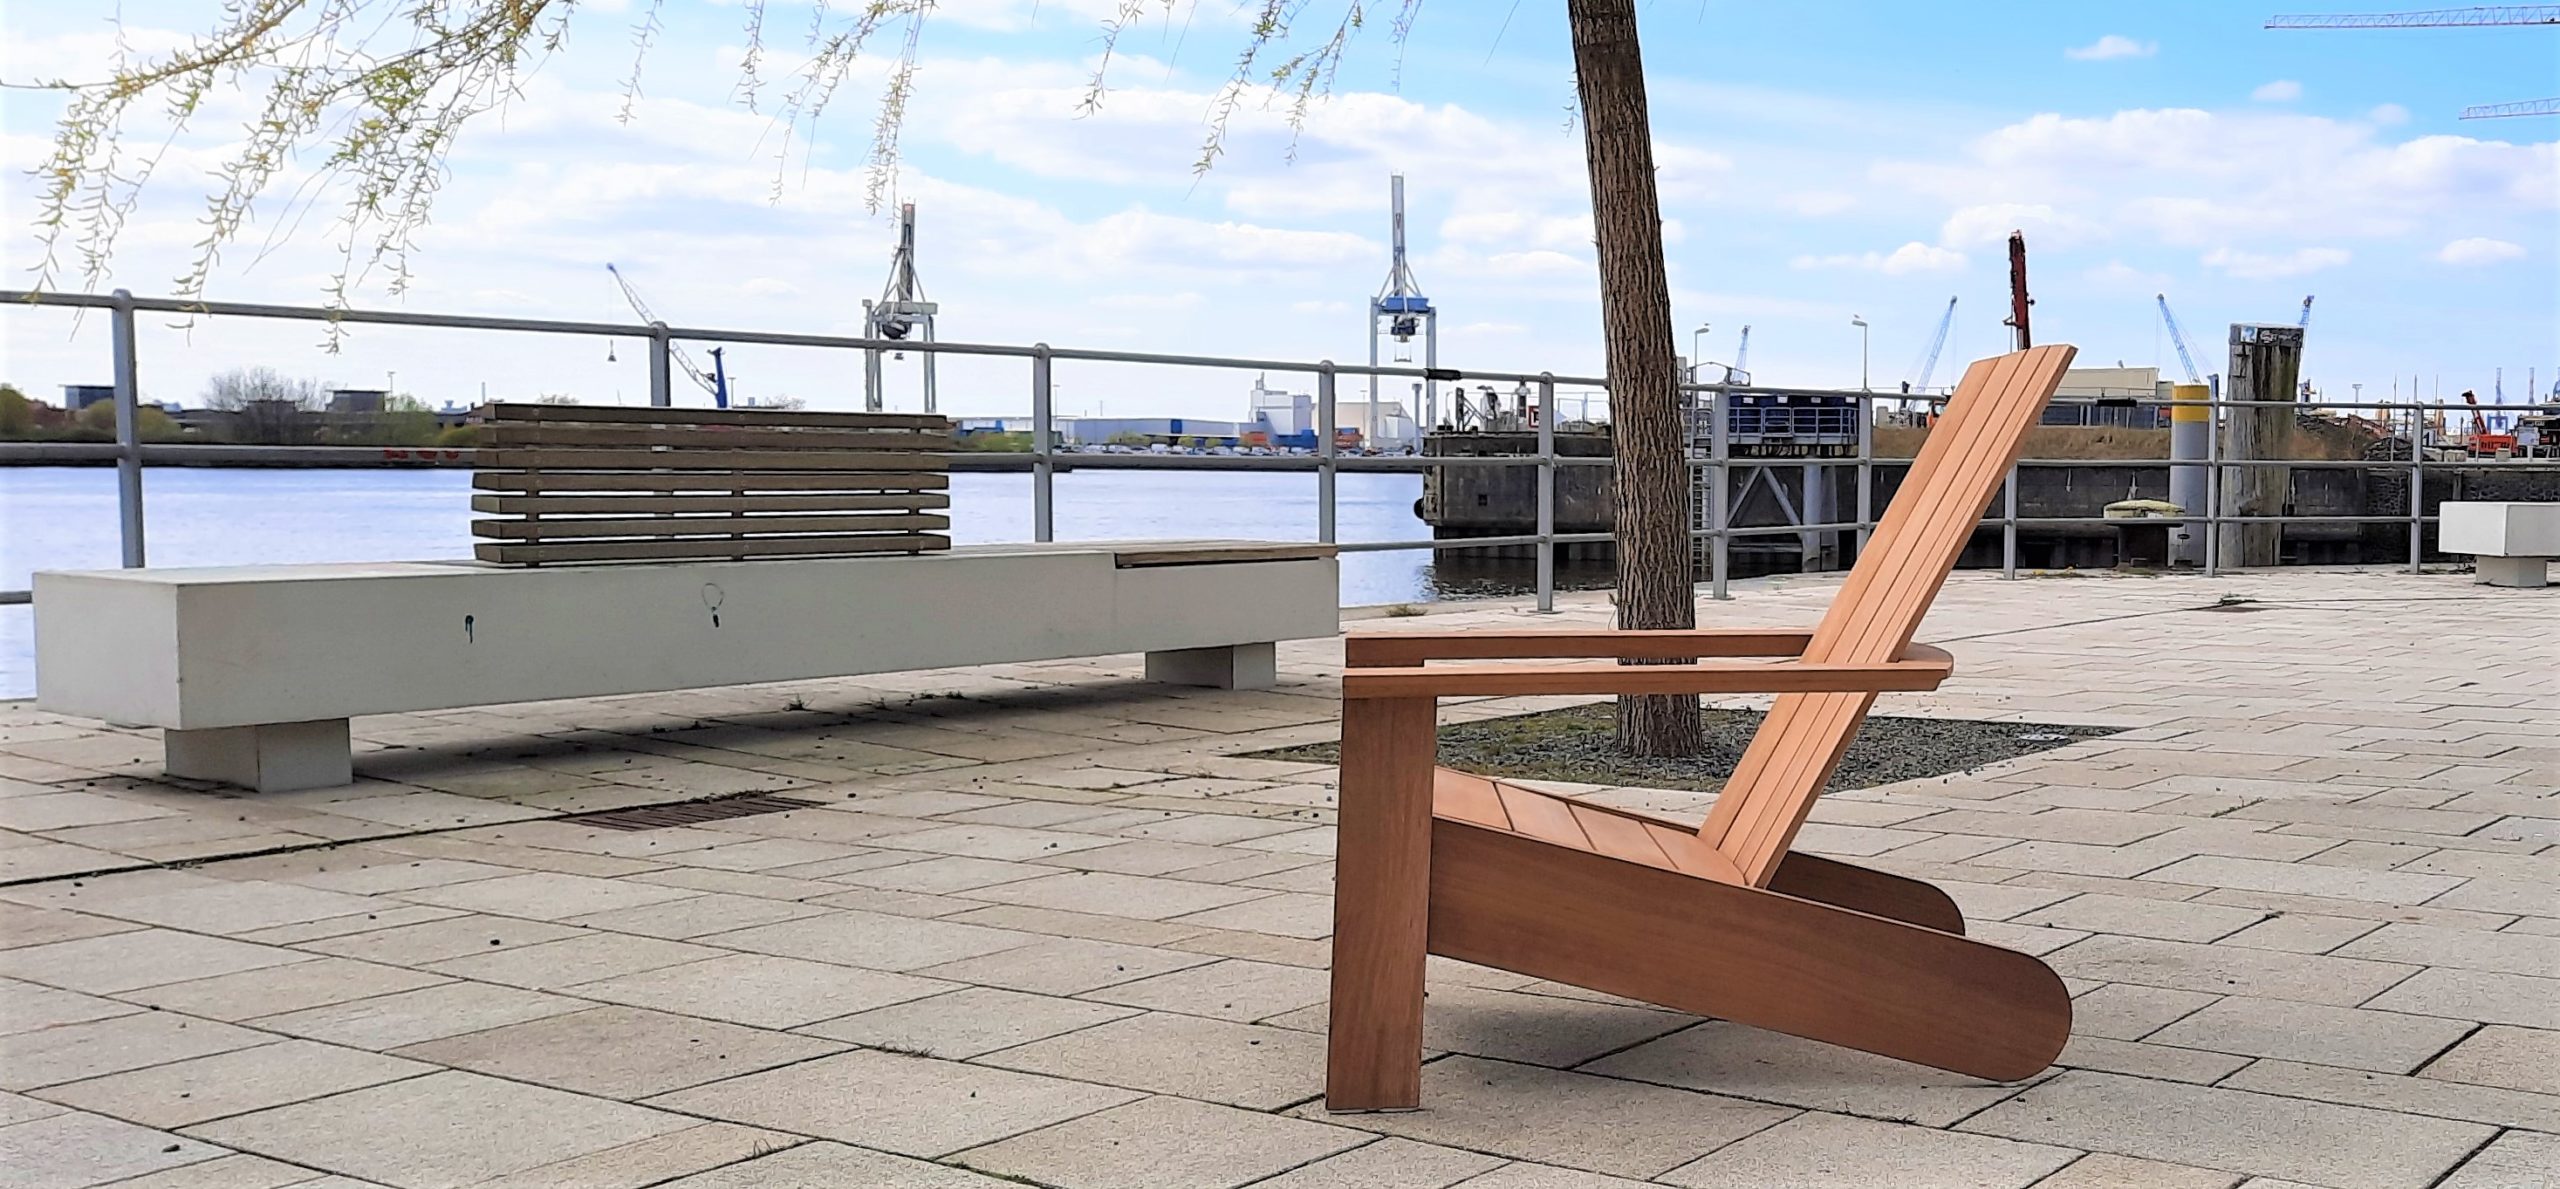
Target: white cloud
<point x="2265" y="266"/>
<point x="2389" y="115"/>
<point x="2204" y="180"/>
<point x="2113" y="45"/>
<point x="2478" y="249"/>
<point x="2118" y="275"/>
<point x="2283" y="90"/>
<point x="1909" y="258"/>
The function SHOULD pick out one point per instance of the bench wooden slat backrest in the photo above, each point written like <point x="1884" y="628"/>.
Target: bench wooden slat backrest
<point x="568" y="483"/>
<point x="1966" y="457"/>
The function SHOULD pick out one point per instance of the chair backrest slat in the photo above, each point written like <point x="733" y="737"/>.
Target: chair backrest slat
<point x="1962" y="464"/>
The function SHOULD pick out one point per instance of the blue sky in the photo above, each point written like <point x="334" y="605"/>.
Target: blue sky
<point x="1820" y="160"/>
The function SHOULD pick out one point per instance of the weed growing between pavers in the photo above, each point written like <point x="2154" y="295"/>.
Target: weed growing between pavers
<point x="1580" y="743"/>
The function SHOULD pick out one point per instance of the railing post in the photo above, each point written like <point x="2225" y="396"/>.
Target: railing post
<point x="2009" y="524"/>
<point x="1866" y="471"/>
<point x="1719" y="464"/>
<point x="1547" y="492"/>
<point x="1324" y="451"/>
<point x="128" y="429"/>
<point x="2417" y="489"/>
<point x="1044" y="522"/>
<point x="661" y="373"/>
<point x="2213" y="486"/>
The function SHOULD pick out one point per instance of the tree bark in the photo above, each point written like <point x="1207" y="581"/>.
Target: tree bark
<point x="1652" y="480"/>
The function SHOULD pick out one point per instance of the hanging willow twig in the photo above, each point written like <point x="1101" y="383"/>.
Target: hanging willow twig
<point x="382" y="90"/>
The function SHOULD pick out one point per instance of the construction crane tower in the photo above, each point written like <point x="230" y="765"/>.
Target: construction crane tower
<point x="1929" y="359"/>
<point x="715" y="381"/>
<point x="2445" y="18"/>
<point x="2178" y="339"/>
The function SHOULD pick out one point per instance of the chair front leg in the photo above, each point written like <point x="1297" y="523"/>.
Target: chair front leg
<point x="1381" y="904"/>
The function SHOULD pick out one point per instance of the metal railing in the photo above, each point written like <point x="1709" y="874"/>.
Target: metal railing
<point x="130" y="454"/>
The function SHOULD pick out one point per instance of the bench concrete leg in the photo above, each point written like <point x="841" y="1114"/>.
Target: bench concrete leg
<point x="276" y="757"/>
<point x="1237" y="666"/>
<point x="2508" y="571"/>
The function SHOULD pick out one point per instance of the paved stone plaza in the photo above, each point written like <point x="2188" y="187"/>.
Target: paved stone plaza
<point x="1044" y="927"/>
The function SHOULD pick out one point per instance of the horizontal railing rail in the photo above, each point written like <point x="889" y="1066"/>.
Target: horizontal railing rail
<point x="1045" y="459"/>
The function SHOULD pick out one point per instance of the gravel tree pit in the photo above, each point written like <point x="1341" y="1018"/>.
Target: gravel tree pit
<point x="1580" y="743"/>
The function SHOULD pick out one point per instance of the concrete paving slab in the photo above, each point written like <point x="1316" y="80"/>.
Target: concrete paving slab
<point x="913" y="1106"/>
<point x="1246" y="1065"/>
<point x="30" y="1007"/>
<point x="96" y="1048"/>
<point x="449" y="1128"/>
<point x="271" y="990"/>
<point x="760" y="990"/>
<point x="1821" y="1151"/>
<point x="2501" y="1055"/>
<point x="1576" y="1120"/>
<point x="1753" y="1063"/>
<point x="2387" y="1042"/>
<point x="550" y="965"/>
<point x="140" y="958"/>
<point x="1388" y="1164"/>
<point x="2343" y="1146"/>
<point x="1235" y="989"/>
<point x="872" y="940"/>
<point x="1065" y="966"/>
<point x="231" y="1083"/>
<point x="408" y="1017"/>
<point x="1149" y="1144"/>
<point x="966" y="1023"/>
<point x="835" y="1166"/>
<point x="620" y="1052"/>
<point x="650" y="1161"/>
<point x="76" y="1149"/>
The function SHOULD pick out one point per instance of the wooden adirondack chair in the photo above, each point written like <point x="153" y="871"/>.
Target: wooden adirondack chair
<point x="1721" y="919"/>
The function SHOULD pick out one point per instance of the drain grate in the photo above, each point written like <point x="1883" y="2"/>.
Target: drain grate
<point x="686" y="813"/>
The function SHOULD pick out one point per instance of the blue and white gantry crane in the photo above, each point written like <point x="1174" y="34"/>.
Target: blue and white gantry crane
<point x="1401" y="311"/>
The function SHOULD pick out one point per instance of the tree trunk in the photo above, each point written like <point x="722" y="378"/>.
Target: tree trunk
<point x="1652" y="480"/>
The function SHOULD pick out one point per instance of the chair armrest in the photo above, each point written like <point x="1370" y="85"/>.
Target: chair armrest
<point x="1413" y="648"/>
<point x="1920" y="667"/>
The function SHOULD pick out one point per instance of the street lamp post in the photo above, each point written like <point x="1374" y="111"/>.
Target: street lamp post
<point x="1860" y="321"/>
<point x="1694" y="336"/>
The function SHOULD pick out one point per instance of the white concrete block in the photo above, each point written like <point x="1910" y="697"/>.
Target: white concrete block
<point x="2491" y="529"/>
<point x="270" y="757"/>
<point x="1242" y="666"/>
<point x="2511" y="571"/>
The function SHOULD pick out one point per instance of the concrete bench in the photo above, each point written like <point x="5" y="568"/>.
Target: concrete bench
<point x="2513" y="543"/>
<point x="253" y="671"/>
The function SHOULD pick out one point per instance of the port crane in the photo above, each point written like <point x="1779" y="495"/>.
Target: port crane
<point x="715" y="381"/>
<point x="1399" y="304"/>
<point x="2305" y="320"/>
<point x="1741" y="369"/>
<point x="902" y="310"/>
<point x="1929" y="359"/>
<point x="2178" y="338"/>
